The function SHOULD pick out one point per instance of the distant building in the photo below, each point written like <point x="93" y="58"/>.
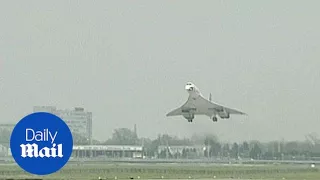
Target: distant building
<point x="3" y="151"/>
<point x="4" y="141"/>
<point x="180" y="151"/>
<point x="78" y="120"/>
<point x="107" y="151"/>
<point x="7" y="127"/>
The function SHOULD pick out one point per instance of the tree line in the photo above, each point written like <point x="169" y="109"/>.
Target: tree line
<point x="215" y="148"/>
<point x="212" y="146"/>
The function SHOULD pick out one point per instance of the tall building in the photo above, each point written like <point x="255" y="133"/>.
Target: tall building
<point x="78" y="120"/>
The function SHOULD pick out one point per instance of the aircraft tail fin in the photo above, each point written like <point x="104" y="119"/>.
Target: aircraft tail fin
<point x="210" y="98"/>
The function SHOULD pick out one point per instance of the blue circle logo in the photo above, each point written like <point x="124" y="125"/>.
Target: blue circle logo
<point x="41" y="143"/>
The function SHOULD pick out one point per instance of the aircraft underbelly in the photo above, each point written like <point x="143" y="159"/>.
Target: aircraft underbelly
<point x="198" y="108"/>
<point x="197" y="112"/>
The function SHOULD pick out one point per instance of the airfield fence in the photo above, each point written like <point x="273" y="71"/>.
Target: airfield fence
<point x="158" y="171"/>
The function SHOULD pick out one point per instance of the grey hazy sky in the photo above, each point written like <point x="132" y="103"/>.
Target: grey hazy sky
<point x="128" y="62"/>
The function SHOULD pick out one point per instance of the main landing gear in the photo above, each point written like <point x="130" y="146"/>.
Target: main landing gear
<point x="214" y="119"/>
<point x="190" y="120"/>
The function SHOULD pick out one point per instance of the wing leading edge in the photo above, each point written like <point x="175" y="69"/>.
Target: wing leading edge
<point x="205" y="106"/>
<point x="219" y="107"/>
<point x="178" y="111"/>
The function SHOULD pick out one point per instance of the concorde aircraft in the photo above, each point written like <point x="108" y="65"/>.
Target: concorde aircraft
<point x="198" y="105"/>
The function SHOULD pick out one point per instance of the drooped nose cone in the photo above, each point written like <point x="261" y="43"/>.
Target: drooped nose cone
<point x="189" y="87"/>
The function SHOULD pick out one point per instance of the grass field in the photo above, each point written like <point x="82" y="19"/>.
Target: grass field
<point x="171" y="171"/>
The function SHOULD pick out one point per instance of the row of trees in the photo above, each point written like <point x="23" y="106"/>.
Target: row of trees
<point x="214" y="147"/>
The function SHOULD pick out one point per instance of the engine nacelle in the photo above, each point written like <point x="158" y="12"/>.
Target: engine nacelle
<point x="188" y="116"/>
<point x="224" y="114"/>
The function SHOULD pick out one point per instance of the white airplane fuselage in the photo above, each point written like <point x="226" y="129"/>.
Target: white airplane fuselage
<point x="198" y="105"/>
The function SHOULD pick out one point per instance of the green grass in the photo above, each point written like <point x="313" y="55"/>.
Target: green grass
<point x="171" y="171"/>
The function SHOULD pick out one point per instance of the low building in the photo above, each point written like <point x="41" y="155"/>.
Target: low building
<point x="181" y="151"/>
<point x="108" y="151"/>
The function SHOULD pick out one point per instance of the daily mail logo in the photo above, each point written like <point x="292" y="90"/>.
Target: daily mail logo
<point x="32" y="150"/>
<point x="41" y="143"/>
